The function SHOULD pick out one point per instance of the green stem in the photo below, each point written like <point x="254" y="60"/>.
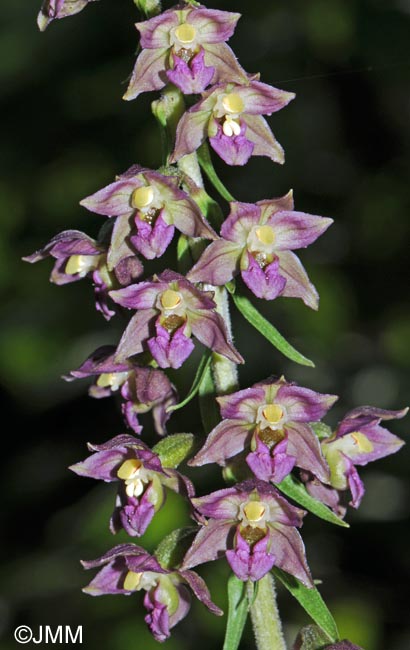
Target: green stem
<point x="206" y="163"/>
<point x="266" y="622"/>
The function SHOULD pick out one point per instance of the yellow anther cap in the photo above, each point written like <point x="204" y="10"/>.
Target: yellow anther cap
<point x="185" y="33"/>
<point x="129" y="468"/>
<point x="170" y="299"/>
<point x="362" y="442"/>
<point x="254" y="511"/>
<point x="142" y="197"/>
<point x="233" y="103"/>
<point x="273" y="413"/>
<point x="266" y="235"/>
<point x="132" y="581"/>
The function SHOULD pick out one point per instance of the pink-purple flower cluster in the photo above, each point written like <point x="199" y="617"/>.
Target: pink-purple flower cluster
<point x="266" y="432"/>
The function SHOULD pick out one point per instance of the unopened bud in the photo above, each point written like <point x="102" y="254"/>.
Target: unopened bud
<point x="149" y="7"/>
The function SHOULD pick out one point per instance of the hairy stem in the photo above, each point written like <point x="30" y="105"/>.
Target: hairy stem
<point x="266" y="622"/>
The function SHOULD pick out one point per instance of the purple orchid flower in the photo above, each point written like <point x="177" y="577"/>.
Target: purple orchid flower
<point x="254" y="526"/>
<point x="54" y="9"/>
<point x="257" y="241"/>
<point x="185" y="46"/>
<point x="78" y="256"/>
<point x="230" y="115"/>
<point x="149" y="206"/>
<point x="170" y="310"/>
<point x="270" y="421"/>
<point x="359" y="439"/>
<point x="142" y="389"/>
<point x="143" y="481"/>
<point x="128" y="568"/>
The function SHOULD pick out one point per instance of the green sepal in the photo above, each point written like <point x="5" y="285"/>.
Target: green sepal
<point x="311" y="637"/>
<point x="311" y="601"/>
<point x="237" y="613"/>
<point x="149" y="7"/>
<point x="270" y="332"/>
<point x="295" y="490"/>
<point x="174" y="449"/>
<point x="171" y="550"/>
<point x="321" y="429"/>
<point x="199" y="375"/>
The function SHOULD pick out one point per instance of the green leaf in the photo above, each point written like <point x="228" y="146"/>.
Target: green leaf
<point x="205" y="160"/>
<point x="207" y="402"/>
<point x="202" y="368"/>
<point x="172" y="450"/>
<point x="297" y="491"/>
<point x="237" y="613"/>
<point x="269" y="331"/>
<point x="311" y="601"/>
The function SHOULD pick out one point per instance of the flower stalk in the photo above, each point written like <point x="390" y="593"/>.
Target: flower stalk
<point x="265" y="616"/>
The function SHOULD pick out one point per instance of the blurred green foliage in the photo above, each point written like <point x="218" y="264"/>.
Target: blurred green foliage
<point x="65" y="133"/>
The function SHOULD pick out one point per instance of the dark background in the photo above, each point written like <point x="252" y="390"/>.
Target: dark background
<point x="65" y="133"/>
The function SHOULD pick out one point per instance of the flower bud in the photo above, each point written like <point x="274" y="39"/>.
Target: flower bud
<point x="149" y="7"/>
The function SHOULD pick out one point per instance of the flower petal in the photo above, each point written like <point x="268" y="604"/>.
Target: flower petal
<point x="303" y="404"/>
<point x="213" y="25"/>
<point x="298" y="284"/>
<point x="267" y="283"/>
<point x="210" y="544"/>
<point x="155" y="32"/>
<point x="192" y="131"/>
<point x="137" y="332"/>
<point x="218" y="264"/>
<point x="258" y="132"/>
<point x="198" y="586"/>
<point x="296" y="229"/>
<point x="209" y="328"/>
<point x="242" y="405"/>
<point x="304" y="445"/>
<point x="289" y="550"/>
<point x="262" y="99"/>
<point x="229" y="438"/>
<point x="148" y="74"/>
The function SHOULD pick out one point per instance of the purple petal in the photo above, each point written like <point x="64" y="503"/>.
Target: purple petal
<point x="271" y="468"/>
<point x="209" y="544"/>
<point x="226" y="440"/>
<point x="152" y="241"/>
<point x="149" y="73"/>
<point x="303" y="404"/>
<point x="102" y="465"/>
<point x="267" y="283"/>
<point x="355" y="483"/>
<point x="240" y="221"/>
<point x="136" y="515"/>
<point x="218" y="264"/>
<point x="298" y="284"/>
<point x="114" y="199"/>
<point x="326" y="494"/>
<point x="192" y="78"/>
<point x="227" y="68"/>
<point x="262" y="99"/>
<point x="109" y="580"/>
<point x="214" y="26"/>
<point x="223" y="504"/>
<point x="192" y="131"/>
<point x="304" y="445"/>
<point x="199" y="588"/>
<point x="65" y="244"/>
<point x="242" y="405"/>
<point x="99" y="362"/>
<point x="157" y="618"/>
<point x="139" y="296"/>
<point x="155" y="31"/>
<point x="289" y="550"/>
<point x="137" y="553"/>
<point x="296" y="229"/>
<point x="209" y="328"/>
<point x="170" y="350"/>
<point x="250" y="564"/>
<point x="137" y="332"/>
<point x="234" y="150"/>
<point x="258" y="132"/>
